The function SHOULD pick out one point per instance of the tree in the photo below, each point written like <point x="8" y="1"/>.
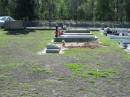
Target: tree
<point x="104" y="11"/>
<point x="4" y="10"/>
<point x="128" y="9"/>
<point x="101" y="10"/>
<point x="25" y="9"/>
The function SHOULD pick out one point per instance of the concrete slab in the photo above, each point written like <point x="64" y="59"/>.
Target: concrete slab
<point x="77" y="31"/>
<point x="128" y="47"/>
<point x="40" y="28"/>
<point x="52" y="46"/>
<point x="78" y="34"/>
<point x="123" y="40"/>
<point x="118" y="37"/>
<point x="75" y="39"/>
<point x="52" y="50"/>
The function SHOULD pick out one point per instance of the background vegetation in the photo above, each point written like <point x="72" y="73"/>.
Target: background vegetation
<point x="101" y="10"/>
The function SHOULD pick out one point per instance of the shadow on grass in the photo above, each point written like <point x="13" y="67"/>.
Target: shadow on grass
<point x="19" y="32"/>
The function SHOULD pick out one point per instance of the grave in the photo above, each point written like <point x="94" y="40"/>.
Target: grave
<point x="71" y="38"/>
<point x="76" y="38"/>
<point x="14" y="25"/>
<point x="122" y="31"/>
<point x="118" y="37"/>
<point x="52" y="51"/>
<point x="122" y="40"/>
<point x="128" y="47"/>
<point x="52" y="48"/>
<point x="75" y="35"/>
<point x="77" y="31"/>
<point x="78" y="34"/>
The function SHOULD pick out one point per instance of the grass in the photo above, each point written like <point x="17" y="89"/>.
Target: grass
<point x="33" y="41"/>
<point x="112" y="47"/>
<point x="61" y="78"/>
<point x="24" y="73"/>
<point x="75" y="67"/>
<point x="112" y="44"/>
<point x="18" y="53"/>
<point x="38" y="69"/>
<point x="15" y="46"/>
<point x="105" y="40"/>
<point x="87" y="71"/>
<point x="102" y="73"/>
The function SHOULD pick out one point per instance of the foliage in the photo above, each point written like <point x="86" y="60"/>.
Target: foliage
<point x="25" y="9"/>
<point x="103" y="10"/>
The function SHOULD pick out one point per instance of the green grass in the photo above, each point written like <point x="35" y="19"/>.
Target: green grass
<point x="101" y="73"/>
<point x="96" y="55"/>
<point x="13" y="48"/>
<point x="75" y="66"/>
<point x="80" y="70"/>
<point x="105" y="40"/>
<point x="112" y="45"/>
<point x="32" y="41"/>
<point x="24" y="73"/>
<point x="61" y="78"/>
<point x="38" y="69"/>
<point x="19" y="52"/>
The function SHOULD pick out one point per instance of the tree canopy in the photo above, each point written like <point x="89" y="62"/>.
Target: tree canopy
<point x="99" y="10"/>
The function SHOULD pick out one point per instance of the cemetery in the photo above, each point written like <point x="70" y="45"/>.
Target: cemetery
<point x="64" y="48"/>
<point x="88" y="55"/>
<point x="73" y="39"/>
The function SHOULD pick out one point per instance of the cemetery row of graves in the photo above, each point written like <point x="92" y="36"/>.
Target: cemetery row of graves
<point x="83" y="38"/>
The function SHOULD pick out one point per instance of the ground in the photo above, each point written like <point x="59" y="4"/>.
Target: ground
<point x="79" y="72"/>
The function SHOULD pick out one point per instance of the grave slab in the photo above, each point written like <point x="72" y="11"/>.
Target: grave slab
<point x="75" y="39"/>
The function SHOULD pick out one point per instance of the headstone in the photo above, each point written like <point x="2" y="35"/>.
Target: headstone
<point x="52" y="48"/>
<point x="14" y="25"/>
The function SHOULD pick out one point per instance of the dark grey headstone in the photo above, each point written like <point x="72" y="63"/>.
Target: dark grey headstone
<point x="14" y="25"/>
<point x="52" y="46"/>
<point x="52" y="50"/>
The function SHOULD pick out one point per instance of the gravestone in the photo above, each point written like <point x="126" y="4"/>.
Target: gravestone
<point x="52" y="48"/>
<point x="14" y="25"/>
